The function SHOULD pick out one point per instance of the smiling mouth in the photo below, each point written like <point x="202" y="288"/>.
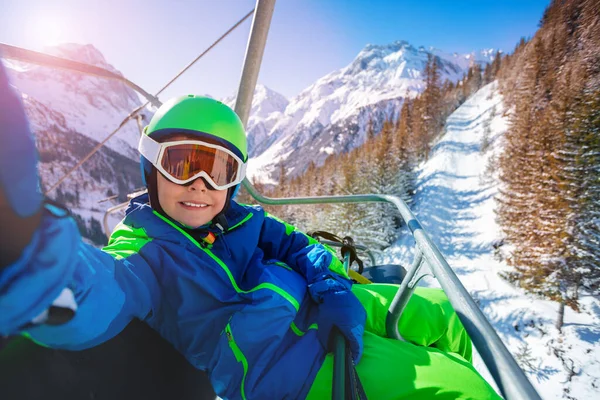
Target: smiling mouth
<point x="194" y="205"/>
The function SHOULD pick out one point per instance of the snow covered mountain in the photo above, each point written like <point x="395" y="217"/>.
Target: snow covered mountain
<point x="455" y="204"/>
<point x="69" y="114"/>
<point x="91" y="106"/>
<point x="267" y="108"/>
<point x="332" y="115"/>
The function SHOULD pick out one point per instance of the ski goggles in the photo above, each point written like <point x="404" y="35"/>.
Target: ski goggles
<point x="184" y="161"/>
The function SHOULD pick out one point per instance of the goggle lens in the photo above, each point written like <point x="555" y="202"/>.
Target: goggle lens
<point x="184" y="161"/>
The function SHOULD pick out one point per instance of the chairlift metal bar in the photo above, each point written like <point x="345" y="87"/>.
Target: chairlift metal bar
<point x="110" y="211"/>
<point x="253" y="58"/>
<point x="507" y="374"/>
<point x="119" y="207"/>
<point x="338" y="389"/>
<point x="399" y="302"/>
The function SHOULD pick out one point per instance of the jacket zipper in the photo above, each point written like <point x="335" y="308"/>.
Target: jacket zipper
<point x="239" y="356"/>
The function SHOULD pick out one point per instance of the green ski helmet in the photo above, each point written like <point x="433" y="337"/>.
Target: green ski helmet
<point x="199" y="116"/>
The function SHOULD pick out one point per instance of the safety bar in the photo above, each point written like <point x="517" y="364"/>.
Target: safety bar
<point x="116" y="208"/>
<point x="338" y="390"/>
<point x="407" y="288"/>
<point x="507" y="374"/>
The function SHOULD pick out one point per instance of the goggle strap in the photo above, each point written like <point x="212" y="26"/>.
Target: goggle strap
<point x="149" y="148"/>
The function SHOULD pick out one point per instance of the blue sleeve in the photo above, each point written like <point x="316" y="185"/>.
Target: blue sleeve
<point x="109" y="292"/>
<point x="281" y="241"/>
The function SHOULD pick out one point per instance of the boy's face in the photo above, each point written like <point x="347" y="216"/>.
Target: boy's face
<point x="193" y="205"/>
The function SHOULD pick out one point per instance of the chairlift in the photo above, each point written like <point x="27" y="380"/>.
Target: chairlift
<point x="152" y="368"/>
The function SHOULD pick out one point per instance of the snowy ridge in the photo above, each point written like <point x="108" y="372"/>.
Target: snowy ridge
<point x="336" y="110"/>
<point x="455" y="204"/>
<point x="267" y="108"/>
<point x="87" y="54"/>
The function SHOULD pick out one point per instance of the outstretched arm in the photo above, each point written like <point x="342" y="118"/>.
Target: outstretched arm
<point x="20" y="199"/>
<point x="109" y="290"/>
<point x="41" y="254"/>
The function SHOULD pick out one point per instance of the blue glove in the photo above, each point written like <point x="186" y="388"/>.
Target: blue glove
<point x="18" y="155"/>
<point x="339" y="307"/>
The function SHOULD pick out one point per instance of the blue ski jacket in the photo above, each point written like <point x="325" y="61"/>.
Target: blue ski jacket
<point x="239" y="308"/>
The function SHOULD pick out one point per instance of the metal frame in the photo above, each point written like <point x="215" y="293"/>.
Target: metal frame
<point x="510" y="379"/>
<point x="507" y="374"/>
<point x="338" y="389"/>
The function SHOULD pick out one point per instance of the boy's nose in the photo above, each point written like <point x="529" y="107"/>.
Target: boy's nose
<point x="198" y="184"/>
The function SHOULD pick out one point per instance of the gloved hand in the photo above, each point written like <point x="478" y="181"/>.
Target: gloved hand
<point x="339" y="307"/>
<point x="18" y="155"/>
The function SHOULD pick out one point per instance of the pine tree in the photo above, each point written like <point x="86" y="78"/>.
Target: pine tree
<point x="585" y="246"/>
<point x="384" y="180"/>
<point x="550" y="167"/>
<point x="555" y="192"/>
<point x="517" y="208"/>
<point x="431" y="111"/>
<point x="487" y="74"/>
<point x="352" y="217"/>
<point x="495" y="65"/>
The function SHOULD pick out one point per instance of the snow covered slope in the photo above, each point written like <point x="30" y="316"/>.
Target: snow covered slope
<point x="455" y="203"/>
<point x="267" y="108"/>
<point x="332" y="115"/>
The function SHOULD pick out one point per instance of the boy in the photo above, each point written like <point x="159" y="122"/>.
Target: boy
<point x="241" y="295"/>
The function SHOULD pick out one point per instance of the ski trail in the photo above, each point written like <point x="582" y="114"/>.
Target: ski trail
<point x="455" y="204"/>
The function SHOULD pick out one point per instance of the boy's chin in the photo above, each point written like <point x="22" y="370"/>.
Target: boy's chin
<point x="193" y="224"/>
<point x="187" y="222"/>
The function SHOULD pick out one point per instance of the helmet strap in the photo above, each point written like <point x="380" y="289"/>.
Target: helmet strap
<point x="219" y="220"/>
<point x="152" y="186"/>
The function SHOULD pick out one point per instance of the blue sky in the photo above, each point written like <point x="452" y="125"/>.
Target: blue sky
<point x="150" y="40"/>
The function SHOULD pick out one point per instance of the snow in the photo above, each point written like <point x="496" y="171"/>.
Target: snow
<point x="267" y="163"/>
<point x="267" y="109"/>
<point x="455" y="204"/>
<point x="329" y="150"/>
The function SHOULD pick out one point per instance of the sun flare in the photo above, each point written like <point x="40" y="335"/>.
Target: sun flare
<point x="47" y="29"/>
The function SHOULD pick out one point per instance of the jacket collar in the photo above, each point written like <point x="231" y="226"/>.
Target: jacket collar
<point x="140" y="213"/>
